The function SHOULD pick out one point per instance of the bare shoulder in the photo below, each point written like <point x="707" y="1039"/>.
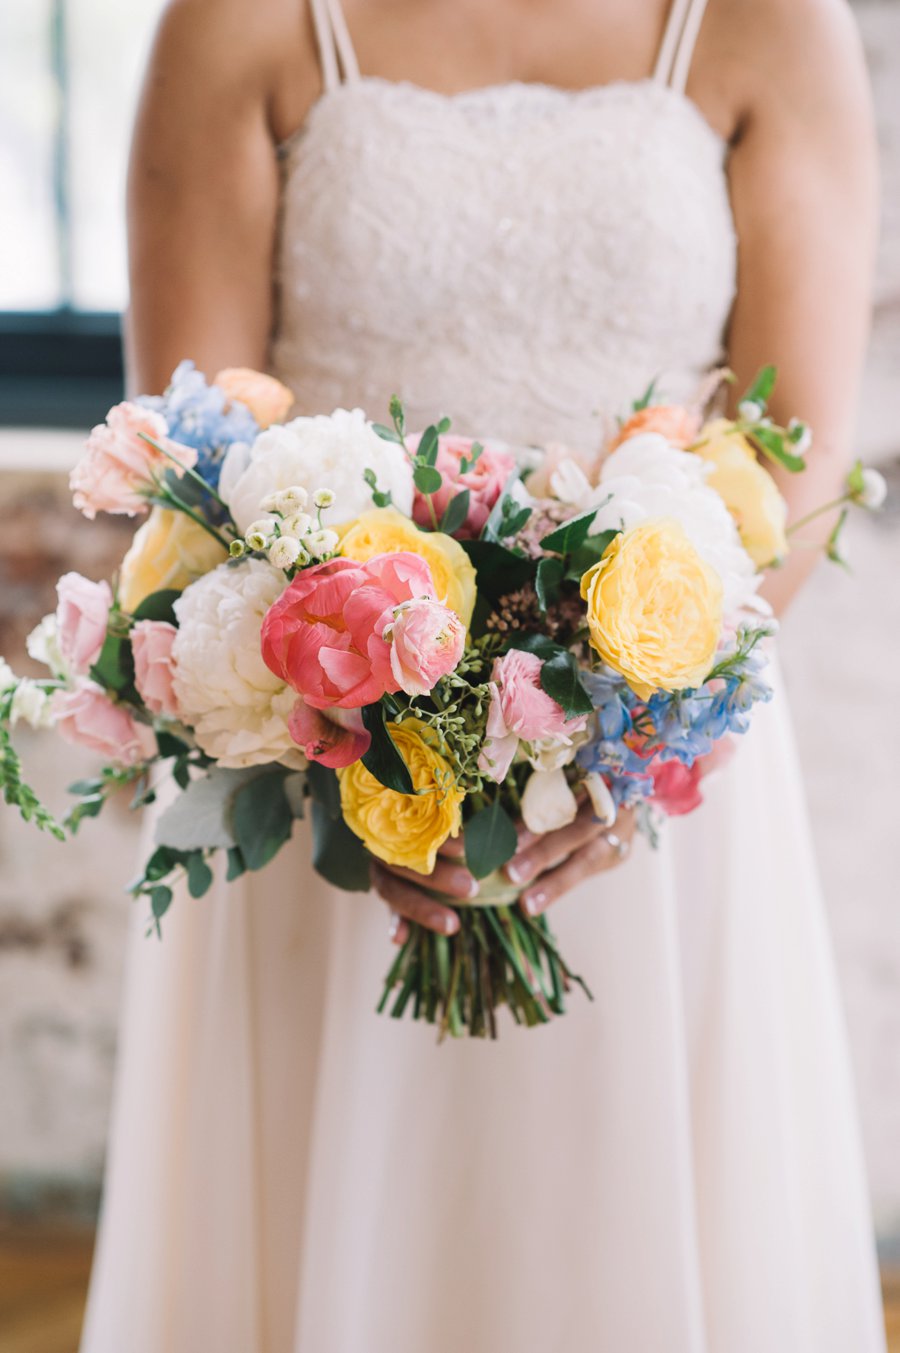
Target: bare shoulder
<point x="798" y="60"/>
<point x="241" y="50"/>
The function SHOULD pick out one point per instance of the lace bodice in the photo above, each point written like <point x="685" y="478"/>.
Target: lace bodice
<point x="522" y="257"/>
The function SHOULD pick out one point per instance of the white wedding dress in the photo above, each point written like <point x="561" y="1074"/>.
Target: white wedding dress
<point x="675" y="1168"/>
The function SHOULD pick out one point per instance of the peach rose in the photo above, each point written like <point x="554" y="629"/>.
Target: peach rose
<point x="88" y="718"/>
<point x="267" y="399"/>
<point x="81" y="616"/>
<point x="118" y="465"/>
<point x="677" y="424"/>
<point x="154" y="667"/>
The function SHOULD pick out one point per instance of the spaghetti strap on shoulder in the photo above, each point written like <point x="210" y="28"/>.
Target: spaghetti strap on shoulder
<point x="336" y="54"/>
<point x="679" y="40"/>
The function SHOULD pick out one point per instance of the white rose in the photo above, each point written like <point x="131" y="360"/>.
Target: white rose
<point x="548" y="802"/>
<point x="31" y="704"/>
<point x="335" y="450"/>
<point x="237" y="708"/>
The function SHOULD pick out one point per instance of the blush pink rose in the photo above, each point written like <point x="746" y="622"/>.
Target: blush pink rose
<point x="324" y="635"/>
<point x="87" y="717"/>
<point x="154" y="666"/>
<point x="520" y="709"/>
<point x="427" y="641"/>
<point x="485" y="481"/>
<point x="336" y="738"/>
<point x="118" y="464"/>
<point x="82" y="613"/>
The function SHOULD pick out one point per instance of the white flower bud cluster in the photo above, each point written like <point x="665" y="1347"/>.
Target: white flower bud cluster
<point x="8" y="677"/>
<point x="873" y="491"/>
<point x="30" y="703"/>
<point x="800" y="436"/>
<point x="289" y="536"/>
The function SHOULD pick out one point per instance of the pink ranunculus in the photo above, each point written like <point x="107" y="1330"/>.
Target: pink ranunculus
<point x="676" y="788"/>
<point x="427" y="641"/>
<point x="484" y="480"/>
<point x="324" y="635"/>
<point x="335" y="739"/>
<point x="520" y="709"/>
<point x="118" y="465"/>
<point x="154" y="666"/>
<point x="87" y="717"/>
<point x="82" y="612"/>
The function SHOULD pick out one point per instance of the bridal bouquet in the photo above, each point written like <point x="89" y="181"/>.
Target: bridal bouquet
<point x="408" y="638"/>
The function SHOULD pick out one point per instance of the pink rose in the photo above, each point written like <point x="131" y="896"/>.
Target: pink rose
<point x="118" y="464"/>
<point x="82" y="612"/>
<point x="484" y="480"/>
<point x="336" y="738"/>
<point x="154" y="666"/>
<point x="520" y="709"/>
<point x="324" y="635"/>
<point x="427" y="640"/>
<point x="87" y="717"/>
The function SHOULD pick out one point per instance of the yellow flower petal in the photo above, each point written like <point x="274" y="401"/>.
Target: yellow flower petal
<point x="384" y="530"/>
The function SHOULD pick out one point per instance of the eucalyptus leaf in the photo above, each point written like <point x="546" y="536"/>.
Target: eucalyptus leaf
<point x="387" y="433"/>
<point x="490" y="839"/>
<point x="427" y="450"/>
<point x="455" y="512"/>
<point x="493" y="526"/>
<point x="427" y="479"/>
<point x="200" y="817"/>
<point x="160" y="901"/>
<point x="199" y="875"/>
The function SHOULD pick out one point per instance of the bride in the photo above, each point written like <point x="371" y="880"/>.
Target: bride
<point x="517" y="213"/>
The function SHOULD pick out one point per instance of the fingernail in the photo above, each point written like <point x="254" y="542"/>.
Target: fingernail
<point x="534" y="902"/>
<point x="517" y="869"/>
<point x="449" y="924"/>
<point x="474" y="888"/>
<point x="394" y="926"/>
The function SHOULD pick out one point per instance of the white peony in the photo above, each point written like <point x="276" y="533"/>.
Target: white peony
<point x="324" y="452"/>
<point x="237" y="708"/>
<point x="646" y="478"/>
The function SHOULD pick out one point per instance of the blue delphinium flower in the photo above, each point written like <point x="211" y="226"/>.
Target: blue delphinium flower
<point x="197" y="417"/>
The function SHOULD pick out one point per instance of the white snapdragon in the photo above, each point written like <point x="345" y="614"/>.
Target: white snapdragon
<point x="31" y="705"/>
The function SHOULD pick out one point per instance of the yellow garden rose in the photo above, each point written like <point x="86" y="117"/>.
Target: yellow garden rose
<point x="267" y="399"/>
<point x="748" y="491"/>
<point x="384" y="530"/>
<point x="405" y="829"/>
<point x="169" y="551"/>
<point x="654" y="608"/>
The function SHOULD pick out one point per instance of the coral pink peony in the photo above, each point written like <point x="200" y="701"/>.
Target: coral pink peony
<point x="154" y="666"/>
<point x="327" y="739"/>
<point x="484" y="481"/>
<point x="87" y="717"/>
<point x="82" y="612"/>
<point x="118" y="464"/>
<point x="520" y="709"/>
<point x="324" y="635"/>
<point x="427" y="640"/>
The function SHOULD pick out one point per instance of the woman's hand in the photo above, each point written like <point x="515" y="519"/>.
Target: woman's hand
<point x="549" y="865"/>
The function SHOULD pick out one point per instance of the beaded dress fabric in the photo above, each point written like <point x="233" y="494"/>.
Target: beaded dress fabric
<point x="674" y="1168"/>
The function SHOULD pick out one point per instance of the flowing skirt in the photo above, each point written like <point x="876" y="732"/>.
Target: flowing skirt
<point x="675" y="1168"/>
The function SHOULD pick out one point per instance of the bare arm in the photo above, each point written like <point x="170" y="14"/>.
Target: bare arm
<point x="803" y="184"/>
<point x="203" y="190"/>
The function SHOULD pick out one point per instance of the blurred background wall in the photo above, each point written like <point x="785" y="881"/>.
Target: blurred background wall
<point x="69" y="71"/>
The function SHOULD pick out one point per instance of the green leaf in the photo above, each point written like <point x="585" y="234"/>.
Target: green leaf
<point x="383" y="760"/>
<point x="199" y="875"/>
<point x="388" y="434"/>
<point x="772" y="443"/>
<point x="443" y="426"/>
<point x="427" y="450"/>
<point x="82" y="787"/>
<point x="571" y="534"/>
<point x="490" y="839"/>
<point x="589" y="554"/>
<point x="236" y="865"/>
<point x="338" y="855"/>
<point x="549" y="576"/>
<point x="514" y="518"/>
<point x="455" y="512"/>
<point x="760" y="391"/>
<point x="427" y="479"/>
<point x="495" y="523"/>
<point x="200" y="818"/>
<point x="160" y="901"/>
<point x="168" y="745"/>
<point x="114" y="668"/>
<point x="261" y="818"/>
<point x="646" y="398"/>
<point x="158" y="606"/>
<point x="539" y="644"/>
<point x="499" y="570"/>
<point x="468" y="462"/>
<point x="561" y="679"/>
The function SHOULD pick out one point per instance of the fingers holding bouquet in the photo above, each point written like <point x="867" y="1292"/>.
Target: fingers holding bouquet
<point x="551" y="865"/>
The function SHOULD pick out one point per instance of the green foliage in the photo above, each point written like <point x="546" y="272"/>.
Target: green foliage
<point x="561" y="679"/>
<point x="490" y="839"/>
<point x="571" y="534"/>
<point x="760" y="391"/>
<point x="500" y="570"/>
<point x="338" y="855"/>
<point x="383" y="760"/>
<point x="158" y="606"/>
<point x="547" y="582"/>
<point x="16" y="792"/>
<point x="455" y="512"/>
<point x="114" y="668"/>
<point x="427" y="479"/>
<point x="261" y="818"/>
<point x="379" y="498"/>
